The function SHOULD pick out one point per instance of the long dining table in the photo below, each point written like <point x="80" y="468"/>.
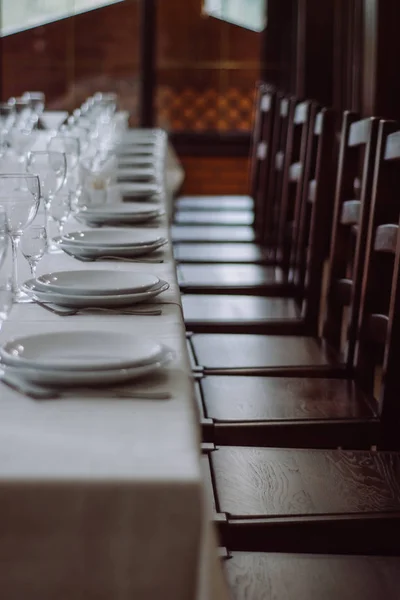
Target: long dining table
<point x="102" y="498"/>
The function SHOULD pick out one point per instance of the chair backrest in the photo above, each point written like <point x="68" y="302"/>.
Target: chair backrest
<point x="313" y="221"/>
<point x="263" y="155"/>
<point x="284" y="113"/>
<point x="349" y="232"/>
<point x="263" y="106"/>
<point x="378" y="330"/>
<point x="292" y="180"/>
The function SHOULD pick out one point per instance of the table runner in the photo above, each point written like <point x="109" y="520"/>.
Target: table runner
<point x="103" y="499"/>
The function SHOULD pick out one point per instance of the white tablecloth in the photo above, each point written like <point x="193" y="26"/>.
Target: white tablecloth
<point x="99" y="498"/>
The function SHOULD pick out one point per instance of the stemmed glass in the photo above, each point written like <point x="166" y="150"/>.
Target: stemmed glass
<point x="3" y="235"/>
<point x="34" y="245"/>
<point x="36" y="100"/>
<point x="70" y="146"/>
<point x="60" y="209"/>
<point x="19" y="196"/>
<point x="51" y="168"/>
<point x="6" y="294"/>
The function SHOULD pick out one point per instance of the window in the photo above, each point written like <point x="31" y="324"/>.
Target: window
<point x="18" y="15"/>
<point x="250" y="14"/>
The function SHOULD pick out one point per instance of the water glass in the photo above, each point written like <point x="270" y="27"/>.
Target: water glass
<point x="60" y="209"/>
<point x="6" y="294"/>
<point x="51" y="168"/>
<point x="36" y="101"/>
<point x="19" y="198"/>
<point x="34" y="245"/>
<point x="3" y="235"/>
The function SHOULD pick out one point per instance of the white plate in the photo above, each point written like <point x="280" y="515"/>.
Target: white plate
<point x="96" y="283"/>
<point x="71" y="378"/>
<point x="119" y="251"/>
<point x="110" y="237"/>
<point x="136" y="174"/>
<point x="80" y="350"/>
<point x="137" y="161"/>
<point x="116" y="218"/>
<point x="120" y="210"/>
<point x="102" y="301"/>
<point x="138" y="190"/>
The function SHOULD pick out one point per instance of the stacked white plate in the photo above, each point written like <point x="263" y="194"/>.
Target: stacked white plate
<point x="92" y="244"/>
<point x="138" y="190"/>
<point x="116" y="214"/>
<point x="82" y="357"/>
<point x="97" y="288"/>
<point x="136" y="174"/>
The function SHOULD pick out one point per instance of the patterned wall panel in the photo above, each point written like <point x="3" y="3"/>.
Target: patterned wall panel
<point x="193" y="110"/>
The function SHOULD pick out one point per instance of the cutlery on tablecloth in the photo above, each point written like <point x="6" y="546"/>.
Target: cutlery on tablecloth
<point x="38" y="392"/>
<point x="64" y="311"/>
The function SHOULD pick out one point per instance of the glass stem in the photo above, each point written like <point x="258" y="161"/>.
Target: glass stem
<point x="15" y="239"/>
<point x="60" y="228"/>
<point x="33" y="266"/>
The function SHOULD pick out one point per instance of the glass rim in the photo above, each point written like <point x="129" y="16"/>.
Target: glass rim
<point x="45" y="152"/>
<point x="18" y="176"/>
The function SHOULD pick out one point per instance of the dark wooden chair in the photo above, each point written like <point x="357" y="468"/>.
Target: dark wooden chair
<point x="212" y="230"/>
<point x="299" y="289"/>
<point x="280" y="576"/>
<point x="323" y="500"/>
<point x="244" y="203"/>
<point x="358" y="409"/>
<point x="284" y="179"/>
<point x="259" y="166"/>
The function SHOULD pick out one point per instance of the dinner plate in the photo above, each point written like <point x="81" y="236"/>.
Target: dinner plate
<point x="96" y="283"/>
<point x="118" y="251"/>
<point x="138" y="190"/>
<point x="110" y="237"/>
<point x="80" y="350"/>
<point x="118" y="217"/>
<point x="136" y="174"/>
<point x="122" y="210"/>
<point x="137" y="161"/>
<point x="92" y="378"/>
<point x="101" y="301"/>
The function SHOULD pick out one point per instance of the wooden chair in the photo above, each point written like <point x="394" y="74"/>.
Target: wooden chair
<point x="311" y="233"/>
<point x="333" y="501"/>
<point x="220" y="234"/>
<point x="273" y="576"/>
<point x="228" y="202"/>
<point x="286" y="178"/>
<point x="259" y="166"/>
<point x="349" y="412"/>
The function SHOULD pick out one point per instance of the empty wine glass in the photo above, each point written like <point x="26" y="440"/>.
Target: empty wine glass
<point x="3" y="235"/>
<point x="60" y="209"/>
<point x="6" y="294"/>
<point x="19" y="197"/>
<point x="36" y="101"/>
<point x="34" y="245"/>
<point x="51" y="169"/>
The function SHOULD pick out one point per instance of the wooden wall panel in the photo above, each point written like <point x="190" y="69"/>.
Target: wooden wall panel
<point x="72" y="58"/>
<point x="381" y="89"/>
<point x="215" y="175"/>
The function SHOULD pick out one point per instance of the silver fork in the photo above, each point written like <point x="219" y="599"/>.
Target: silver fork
<point x="63" y="311"/>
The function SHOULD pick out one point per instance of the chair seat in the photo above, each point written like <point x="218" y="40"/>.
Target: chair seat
<point x="215" y="217"/>
<point x="316" y="500"/>
<point x="240" y="314"/>
<point x="288" y="412"/>
<point x="277" y="353"/>
<point x="190" y="233"/>
<point x="214" y="203"/>
<point x="221" y="253"/>
<point x="270" y="576"/>
<point x="220" y="278"/>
